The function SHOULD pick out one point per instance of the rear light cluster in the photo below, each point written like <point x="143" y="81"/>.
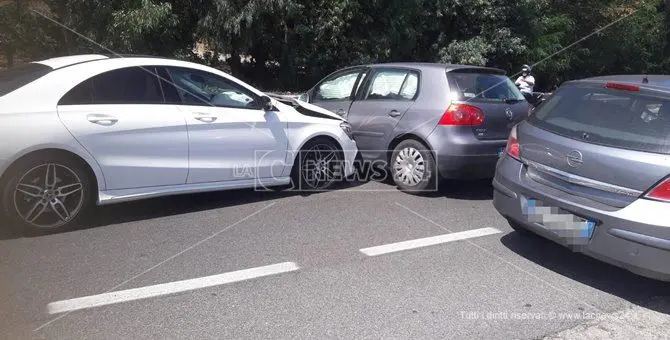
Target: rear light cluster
<point x="660" y="192"/>
<point x="624" y="87"/>
<point x="513" y="148"/>
<point x="462" y="115"/>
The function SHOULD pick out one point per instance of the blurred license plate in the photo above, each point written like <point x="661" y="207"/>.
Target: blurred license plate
<point x="573" y="228"/>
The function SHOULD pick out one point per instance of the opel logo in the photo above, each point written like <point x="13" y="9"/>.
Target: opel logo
<point x="509" y="113"/>
<point x="575" y="158"/>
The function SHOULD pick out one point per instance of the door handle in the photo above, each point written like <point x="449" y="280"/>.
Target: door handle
<point x="341" y="112"/>
<point x="394" y="113"/>
<point x="205" y="117"/>
<point x="101" y="119"/>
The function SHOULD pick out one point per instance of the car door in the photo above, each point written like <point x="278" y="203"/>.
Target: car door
<point x="231" y="137"/>
<point x="122" y="119"/>
<point x="384" y="99"/>
<point x="336" y="92"/>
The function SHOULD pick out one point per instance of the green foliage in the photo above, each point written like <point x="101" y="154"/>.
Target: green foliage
<point x="290" y="44"/>
<point x="145" y="28"/>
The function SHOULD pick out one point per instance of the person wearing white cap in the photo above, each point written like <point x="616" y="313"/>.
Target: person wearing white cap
<point x="525" y="82"/>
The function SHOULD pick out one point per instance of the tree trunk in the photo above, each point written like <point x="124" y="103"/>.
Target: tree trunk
<point x="9" y="54"/>
<point x="287" y="74"/>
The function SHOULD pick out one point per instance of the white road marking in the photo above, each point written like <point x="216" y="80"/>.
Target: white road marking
<point x="168" y="288"/>
<point x="428" y="241"/>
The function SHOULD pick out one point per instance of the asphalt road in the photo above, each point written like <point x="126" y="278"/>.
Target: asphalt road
<point x="500" y="285"/>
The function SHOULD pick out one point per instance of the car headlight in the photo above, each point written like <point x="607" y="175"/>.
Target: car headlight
<point x="346" y="127"/>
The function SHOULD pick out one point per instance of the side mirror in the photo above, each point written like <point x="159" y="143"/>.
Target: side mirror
<point x="304" y="97"/>
<point x="265" y="103"/>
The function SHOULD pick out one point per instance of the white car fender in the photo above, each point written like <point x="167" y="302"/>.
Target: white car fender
<point x="49" y="133"/>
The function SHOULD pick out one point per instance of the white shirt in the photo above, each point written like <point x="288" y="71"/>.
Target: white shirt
<point x="526" y="83"/>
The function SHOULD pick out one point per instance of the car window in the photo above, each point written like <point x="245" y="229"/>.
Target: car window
<point x="17" y="77"/>
<point x="131" y="85"/>
<point x="337" y="88"/>
<point x="360" y="82"/>
<point x="622" y="119"/>
<point x="197" y="87"/>
<point x="170" y="92"/>
<point x="482" y="87"/>
<point x="392" y="85"/>
<point x="411" y="86"/>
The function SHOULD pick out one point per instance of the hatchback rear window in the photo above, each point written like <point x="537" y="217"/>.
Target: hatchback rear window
<point x="482" y="87"/>
<point x="14" y="78"/>
<point x="615" y="118"/>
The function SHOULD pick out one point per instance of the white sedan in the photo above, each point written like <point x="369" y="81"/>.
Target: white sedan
<point x="89" y="129"/>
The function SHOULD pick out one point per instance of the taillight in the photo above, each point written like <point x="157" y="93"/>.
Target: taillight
<point x="462" y="114"/>
<point x="513" y="148"/>
<point x="624" y="87"/>
<point x="660" y="192"/>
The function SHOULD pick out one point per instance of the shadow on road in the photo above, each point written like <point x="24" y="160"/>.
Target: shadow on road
<point x="474" y="190"/>
<point x="638" y="290"/>
<point x="146" y="209"/>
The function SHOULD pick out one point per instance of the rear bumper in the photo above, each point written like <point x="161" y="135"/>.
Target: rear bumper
<point x="460" y="155"/>
<point x="636" y="238"/>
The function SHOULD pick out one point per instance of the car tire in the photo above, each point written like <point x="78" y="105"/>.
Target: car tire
<point x="317" y="166"/>
<point x="47" y="194"/>
<point x="412" y="167"/>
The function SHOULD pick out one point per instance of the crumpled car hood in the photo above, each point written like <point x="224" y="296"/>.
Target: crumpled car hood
<point x="307" y="108"/>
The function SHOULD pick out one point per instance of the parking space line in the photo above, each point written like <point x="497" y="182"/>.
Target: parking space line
<point x="168" y="288"/>
<point x="428" y="241"/>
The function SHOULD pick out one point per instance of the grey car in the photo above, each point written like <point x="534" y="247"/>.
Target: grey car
<point x="425" y="120"/>
<point x="589" y="169"/>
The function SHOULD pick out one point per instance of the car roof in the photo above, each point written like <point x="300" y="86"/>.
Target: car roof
<point x="645" y="80"/>
<point x="60" y="62"/>
<point x="438" y="66"/>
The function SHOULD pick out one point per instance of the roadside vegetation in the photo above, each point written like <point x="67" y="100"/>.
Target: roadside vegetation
<point x="290" y="44"/>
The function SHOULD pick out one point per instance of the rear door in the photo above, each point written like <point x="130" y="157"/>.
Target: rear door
<point x="617" y="142"/>
<point x="336" y="92"/>
<point x="384" y="99"/>
<point x="499" y="99"/>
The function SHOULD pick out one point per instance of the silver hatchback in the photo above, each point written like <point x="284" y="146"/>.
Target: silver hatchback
<point x="589" y="169"/>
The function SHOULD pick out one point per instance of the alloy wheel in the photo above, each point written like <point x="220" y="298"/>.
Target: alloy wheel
<point x="409" y="166"/>
<point x="48" y="195"/>
<point x="319" y="168"/>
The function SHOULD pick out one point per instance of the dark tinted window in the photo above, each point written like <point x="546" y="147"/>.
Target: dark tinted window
<point x="622" y="119"/>
<point x="14" y="78"/>
<point x="197" y="87"/>
<point x="167" y="85"/>
<point x="482" y="87"/>
<point x="132" y="85"/>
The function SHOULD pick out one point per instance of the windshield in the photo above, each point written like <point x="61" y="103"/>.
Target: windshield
<point x="14" y="78"/>
<point x="482" y="87"/>
<point x="621" y="119"/>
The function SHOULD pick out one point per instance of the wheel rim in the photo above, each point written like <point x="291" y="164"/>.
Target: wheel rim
<point x="318" y="166"/>
<point x="48" y="195"/>
<point x="409" y="167"/>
